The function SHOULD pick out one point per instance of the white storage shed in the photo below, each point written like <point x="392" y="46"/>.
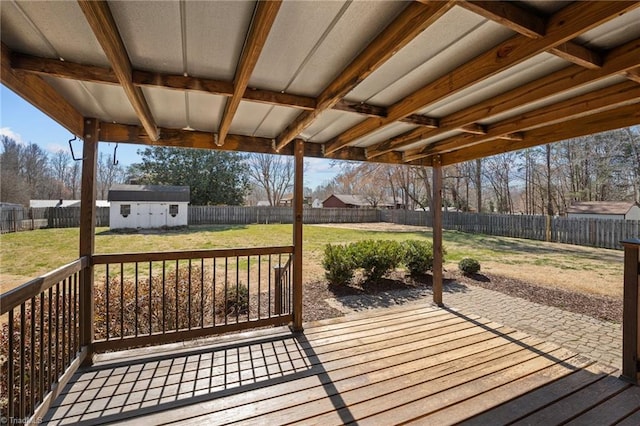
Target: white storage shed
<point x="148" y="206"/>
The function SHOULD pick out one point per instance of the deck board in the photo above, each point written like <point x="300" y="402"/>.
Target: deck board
<point x="425" y="365"/>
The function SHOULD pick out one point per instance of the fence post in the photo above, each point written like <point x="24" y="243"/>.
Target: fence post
<point x="630" y="317"/>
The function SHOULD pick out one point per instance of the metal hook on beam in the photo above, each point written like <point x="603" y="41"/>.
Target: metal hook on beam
<point x="73" y="155"/>
<point x="115" y="149"/>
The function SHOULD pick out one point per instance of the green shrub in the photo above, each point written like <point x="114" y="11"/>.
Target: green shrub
<point x="418" y="256"/>
<point x="469" y="266"/>
<point x="235" y="302"/>
<point x="377" y="257"/>
<point x="339" y="264"/>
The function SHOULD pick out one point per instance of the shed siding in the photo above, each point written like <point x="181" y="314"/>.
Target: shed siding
<point x="145" y="215"/>
<point x="333" y="201"/>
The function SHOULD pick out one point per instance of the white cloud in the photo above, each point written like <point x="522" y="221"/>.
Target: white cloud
<point x="319" y="165"/>
<point x="54" y="148"/>
<point x="6" y="131"/>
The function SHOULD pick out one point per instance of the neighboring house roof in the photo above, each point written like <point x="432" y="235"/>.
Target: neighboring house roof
<point x="149" y="193"/>
<point x="361" y="200"/>
<point x="65" y="203"/>
<point x="601" y="207"/>
<point x="263" y="204"/>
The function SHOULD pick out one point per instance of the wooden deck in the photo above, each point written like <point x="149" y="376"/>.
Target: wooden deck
<point x="417" y="365"/>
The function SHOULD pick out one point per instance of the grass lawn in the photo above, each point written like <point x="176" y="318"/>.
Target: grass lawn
<point x="25" y="255"/>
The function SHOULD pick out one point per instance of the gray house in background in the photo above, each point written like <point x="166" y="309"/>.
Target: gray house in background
<point x="614" y="210"/>
<point x="148" y="206"/>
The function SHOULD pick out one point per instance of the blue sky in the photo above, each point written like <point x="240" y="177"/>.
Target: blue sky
<point x="25" y="123"/>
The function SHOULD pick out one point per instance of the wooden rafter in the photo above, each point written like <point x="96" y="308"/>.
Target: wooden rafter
<point x="617" y="118"/>
<point x="618" y="60"/>
<point x="101" y="21"/>
<point x="265" y="15"/>
<point x="531" y="25"/>
<point x="40" y="94"/>
<point x="71" y="70"/>
<point x="613" y="96"/>
<point x="566" y="24"/>
<point x="410" y="23"/>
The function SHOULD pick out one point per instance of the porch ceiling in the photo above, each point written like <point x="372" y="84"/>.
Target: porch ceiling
<point x="384" y="81"/>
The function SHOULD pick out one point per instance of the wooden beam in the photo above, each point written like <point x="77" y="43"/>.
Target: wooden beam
<point x="121" y="133"/>
<point x="631" y="313"/>
<point x="298" y="197"/>
<point x="510" y="15"/>
<point x="265" y="15"/>
<point x="88" y="231"/>
<point x="529" y="24"/>
<point x="40" y="94"/>
<point x="436" y="214"/>
<point x="409" y="24"/>
<point x="618" y="60"/>
<point x="566" y="24"/>
<point x="104" y="28"/>
<point x="617" y="118"/>
<point x="616" y="95"/>
<point x="633" y="75"/>
<point x="578" y="54"/>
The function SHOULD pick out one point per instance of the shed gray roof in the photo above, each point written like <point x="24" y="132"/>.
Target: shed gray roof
<point x="601" y="207"/>
<point x="149" y="193"/>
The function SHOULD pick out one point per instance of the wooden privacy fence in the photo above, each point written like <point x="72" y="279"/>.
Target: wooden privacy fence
<point x="602" y="233"/>
<point x="15" y="219"/>
<point x="69" y="217"/>
<point x="235" y="215"/>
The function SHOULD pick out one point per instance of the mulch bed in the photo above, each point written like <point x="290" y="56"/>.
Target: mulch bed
<point x="599" y="307"/>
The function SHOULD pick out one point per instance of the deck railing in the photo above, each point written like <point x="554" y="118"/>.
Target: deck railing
<point x="153" y="298"/>
<point x="40" y="340"/>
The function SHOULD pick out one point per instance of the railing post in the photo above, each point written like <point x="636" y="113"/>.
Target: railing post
<point x="87" y="233"/>
<point x="630" y="317"/>
<point x="297" y="234"/>
<point x="436" y="212"/>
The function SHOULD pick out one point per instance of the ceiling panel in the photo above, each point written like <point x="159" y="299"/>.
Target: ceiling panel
<point x="330" y="124"/>
<point x="359" y="24"/>
<point x="296" y="31"/>
<point x="613" y="33"/>
<point x="167" y="107"/>
<point x="215" y="33"/>
<point x="483" y="37"/>
<point x="27" y="27"/>
<point x="276" y="120"/>
<point x="151" y="35"/>
<point x="388" y="132"/>
<point x="205" y="111"/>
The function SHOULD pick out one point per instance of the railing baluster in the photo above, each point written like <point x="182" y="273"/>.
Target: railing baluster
<point x="63" y="356"/>
<point x="121" y="301"/>
<point x="226" y="283"/>
<point x="269" y="283"/>
<point x="237" y="289"/>
<point x="176" y="289"/>
<point x="57" y="343"/>
<point x="202" y="292"/>
<point x="32" y="360"/>
<point x="107" y="299"/>
<point x="259" y="282"/>
<point x="189" y="298"/>
<point x="214" y="292"/>
<point x="22" y="370"/>
<point x="136" y="326"/>
<point x="50" y="345"/>
<point x="164" y="299"/>
<point x="249" y="288"/>
<point x="11" y="367"/>
<point x="149" y="300"/>
<point x="41" y="371"/>
<point x="69" y="332"/>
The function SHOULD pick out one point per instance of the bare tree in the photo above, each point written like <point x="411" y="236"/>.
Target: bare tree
<point x="109" y="173"/>
<point x="272" y="173"/>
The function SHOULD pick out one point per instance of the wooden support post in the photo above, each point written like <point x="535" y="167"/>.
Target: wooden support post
<point x="630" y="317"/>
<point x="298" y="194"/>
<point x="436" y="211"/>
<point x="87" y="232"/>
